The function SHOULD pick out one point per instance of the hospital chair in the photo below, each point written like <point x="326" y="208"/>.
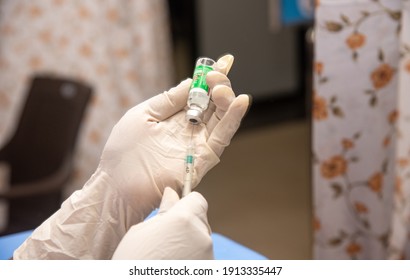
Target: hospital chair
<point x="39" y="155"/>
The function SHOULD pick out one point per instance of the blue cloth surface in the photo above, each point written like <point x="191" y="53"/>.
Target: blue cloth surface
<point x="11" y="242"/>
<point x="227" y="249"/>
<point x="224" y="248"/>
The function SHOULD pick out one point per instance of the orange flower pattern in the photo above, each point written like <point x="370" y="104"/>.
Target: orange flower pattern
<point x="319" y="108"/>
<point x="393" y="116"/>
<point x="347" y="144"/>
<point x="403" y="162"/>
<point x="398" y="187"/>
<point x="375" y="182"/>
<point x="356" y="40"/>
<point x="333" y="167"/>
<point x="361" y="208"/>
<point x="386" y="141"/>
<point x="361" y="160"/>
<point x="318" y="68"/>
<point x="353" y="249"/>
<point x="382" y="75"/>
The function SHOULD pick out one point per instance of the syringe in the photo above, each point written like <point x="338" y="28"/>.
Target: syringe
<point x="198" y="101"/>
<point x="189" y="166"/>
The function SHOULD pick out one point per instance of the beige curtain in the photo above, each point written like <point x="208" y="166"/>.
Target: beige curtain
<point x="361" y="129"/>
<point x="121" y="48"/>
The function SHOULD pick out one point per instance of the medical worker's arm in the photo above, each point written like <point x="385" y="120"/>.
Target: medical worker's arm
<point x="144" y="153"/>
<point x="180" y="230"/>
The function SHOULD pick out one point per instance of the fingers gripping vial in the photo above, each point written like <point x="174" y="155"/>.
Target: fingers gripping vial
<point x="199" y="94"/>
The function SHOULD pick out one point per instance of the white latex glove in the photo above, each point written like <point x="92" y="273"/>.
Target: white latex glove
<point x="180" y="231"/>
<point x="144" y="153"/>
<point x="146" y="149"/>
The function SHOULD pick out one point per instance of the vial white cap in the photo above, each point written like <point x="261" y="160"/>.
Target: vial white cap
<point x="194" y="115"/>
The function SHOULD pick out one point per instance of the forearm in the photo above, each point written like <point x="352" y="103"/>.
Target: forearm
<point x="89" y="224"/>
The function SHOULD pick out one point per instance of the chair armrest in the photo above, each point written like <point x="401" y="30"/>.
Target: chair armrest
<point x="42" y="186"/>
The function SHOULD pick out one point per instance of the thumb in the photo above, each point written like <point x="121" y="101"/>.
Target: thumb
<point x="169" y="198"/>
<point x="165" y="105"/>
<point x="193" y="203"/>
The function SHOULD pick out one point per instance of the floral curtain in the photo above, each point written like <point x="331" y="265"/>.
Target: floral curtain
<point x="361" y="129"/>
<point x="120" y="48"/>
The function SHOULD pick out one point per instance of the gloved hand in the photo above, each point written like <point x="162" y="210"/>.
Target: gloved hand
<point x="180" y="230"/>
<point x="146" y="149"/>
<point x="144" y="154"/>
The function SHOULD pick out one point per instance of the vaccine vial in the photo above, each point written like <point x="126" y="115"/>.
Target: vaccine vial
<point x="199" y="97"/>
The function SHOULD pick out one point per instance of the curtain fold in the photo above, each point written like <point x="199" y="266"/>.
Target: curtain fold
<point x="360" y="129"/>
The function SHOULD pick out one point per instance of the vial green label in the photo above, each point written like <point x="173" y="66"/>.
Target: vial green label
<point x="199" y="77"/>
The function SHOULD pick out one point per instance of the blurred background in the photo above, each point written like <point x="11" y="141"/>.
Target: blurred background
<point x="105" y="57"/>
<point x="259" y="194"/>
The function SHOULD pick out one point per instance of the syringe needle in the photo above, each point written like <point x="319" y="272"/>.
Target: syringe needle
<point x="189" y="166"/>
<point x="192" y="134"/>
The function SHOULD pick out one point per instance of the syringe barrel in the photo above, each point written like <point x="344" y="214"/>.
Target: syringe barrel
<point x="189" y="171"/>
